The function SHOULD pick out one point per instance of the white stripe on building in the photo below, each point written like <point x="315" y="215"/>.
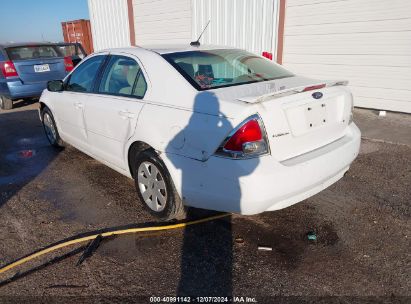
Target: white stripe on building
<point x="109" y="23"/>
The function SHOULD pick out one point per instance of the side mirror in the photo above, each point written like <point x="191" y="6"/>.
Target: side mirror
<point x="55" y="86"/>
<point x="76" y="60"/>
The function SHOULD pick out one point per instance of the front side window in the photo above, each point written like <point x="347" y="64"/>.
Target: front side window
<point x="123" y="76"/>
<point x="211" y="69"/>
<point x="82" y="79"/>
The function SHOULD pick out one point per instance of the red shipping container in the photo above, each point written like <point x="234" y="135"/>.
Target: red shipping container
<point x="78" y="31"/>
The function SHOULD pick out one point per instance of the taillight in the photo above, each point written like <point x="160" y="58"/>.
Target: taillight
<point x="68" y="64"/>
<point x="268" y="55"/>
<point x="8" y="69"/>
<point x="247" y="140"/>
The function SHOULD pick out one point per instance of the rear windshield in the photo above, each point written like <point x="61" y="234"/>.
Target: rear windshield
<point x="222" y="68"/>
<point x="33" y="52"/>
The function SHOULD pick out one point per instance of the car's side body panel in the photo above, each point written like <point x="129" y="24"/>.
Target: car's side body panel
<point x="70" y="112"/>
<point x="68" y="108"/>
<point x="177" y="118"/>
<point x="182" y="132"/>
<point x="111" y="122"/>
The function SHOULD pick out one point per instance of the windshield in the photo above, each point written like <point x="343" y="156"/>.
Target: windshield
<point x="33" y="52"/>
<point x="221" y="68"/>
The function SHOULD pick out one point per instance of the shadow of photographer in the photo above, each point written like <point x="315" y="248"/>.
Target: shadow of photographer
<point x="207" y="251"/>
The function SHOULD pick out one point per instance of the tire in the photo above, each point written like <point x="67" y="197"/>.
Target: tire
<point x="6" y="103"/>
<point x="167" y="204"/>
<point x="50" y="128"/>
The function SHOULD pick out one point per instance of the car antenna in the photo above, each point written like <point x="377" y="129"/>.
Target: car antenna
<point x="197" y="42"/>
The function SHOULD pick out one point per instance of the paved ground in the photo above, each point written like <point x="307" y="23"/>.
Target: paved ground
<point x="362" y="225"/>
<point x="393" y="128"/>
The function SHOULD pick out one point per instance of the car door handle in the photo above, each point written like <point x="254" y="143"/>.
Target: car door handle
<point x="78" y="105"/>
<point x="126" y="114"/>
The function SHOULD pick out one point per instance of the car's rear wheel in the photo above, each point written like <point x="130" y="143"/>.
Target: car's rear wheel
<point x="50" y="128"/>
<point x="155" y="188"/>
<point x="6" y="103"/>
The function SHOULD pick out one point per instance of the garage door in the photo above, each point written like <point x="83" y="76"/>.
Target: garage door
<point x="246" y="24"/>
<point x="162" y="21"/>
<point x="367" y="42"/>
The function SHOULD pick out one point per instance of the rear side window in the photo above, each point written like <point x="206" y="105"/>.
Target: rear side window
<point x="32" y="52"/>
<point x="83" y="77"/>
<point x="123" y="76"/>
<point x="70" y="50"/>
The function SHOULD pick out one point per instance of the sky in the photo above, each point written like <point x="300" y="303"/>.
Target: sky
<point x="38" y="20"/>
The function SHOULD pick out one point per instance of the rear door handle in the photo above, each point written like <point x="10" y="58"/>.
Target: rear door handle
<point x="126" y="114"/>
<point x="78" y="105"/>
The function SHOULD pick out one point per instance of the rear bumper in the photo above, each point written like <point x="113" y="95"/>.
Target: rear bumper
<point x="262" y="184"/>
<point x="16" y="89"/>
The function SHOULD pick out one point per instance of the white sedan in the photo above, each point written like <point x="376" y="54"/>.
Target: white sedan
<point x="208" y="127"/>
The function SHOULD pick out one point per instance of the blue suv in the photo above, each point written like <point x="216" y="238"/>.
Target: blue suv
<point x="25" y="68"/>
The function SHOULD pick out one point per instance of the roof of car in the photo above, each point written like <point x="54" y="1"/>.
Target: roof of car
<point x="173" y="48"/>
<point x="168" y="48"/>
<point x="17" y="44"/>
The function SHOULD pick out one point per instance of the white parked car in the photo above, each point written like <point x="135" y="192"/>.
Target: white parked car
<point x="208" y="127"/>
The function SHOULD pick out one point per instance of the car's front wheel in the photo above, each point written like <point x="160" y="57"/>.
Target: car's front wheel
<point x="6" y="103"/>
<point x="155" y="188"/>
<point x="50" y="128"/>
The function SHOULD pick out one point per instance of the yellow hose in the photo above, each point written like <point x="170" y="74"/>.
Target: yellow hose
<point x="106" y="234"/>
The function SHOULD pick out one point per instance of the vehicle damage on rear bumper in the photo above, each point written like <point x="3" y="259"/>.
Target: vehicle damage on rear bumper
<point x="261" y="184"/>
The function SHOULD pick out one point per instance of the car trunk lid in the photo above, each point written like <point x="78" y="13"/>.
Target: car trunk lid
<point x="303" y="123"/>
<point x="35" y="70"/>
<point x="300" y="115"/>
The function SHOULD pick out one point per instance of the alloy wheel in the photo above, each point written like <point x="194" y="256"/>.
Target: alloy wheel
<point x="50" y="128"/>
<point x="152" y="186"/>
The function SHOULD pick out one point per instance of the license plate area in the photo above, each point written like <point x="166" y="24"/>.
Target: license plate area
<point x="41" y="68"/>
<point x="316" y="115"/>
<point x="307" y="117"/>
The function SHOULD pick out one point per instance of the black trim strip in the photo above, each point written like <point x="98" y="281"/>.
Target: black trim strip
<point x="101" y="69"/>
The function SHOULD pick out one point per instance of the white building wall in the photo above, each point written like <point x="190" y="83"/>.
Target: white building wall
<point x="246" y="24"/>
<point x="109" y="23"/>
<point x="162" y="21"/>
<point x="367" y="42"/>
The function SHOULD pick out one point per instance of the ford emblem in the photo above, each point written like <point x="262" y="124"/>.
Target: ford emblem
<point x="317" y="95"/>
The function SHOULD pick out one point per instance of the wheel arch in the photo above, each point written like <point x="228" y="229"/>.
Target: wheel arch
<point x="139" y="146"/>
<point x="47" y="104"/>
<point x="134" y="149"/>
<point x="41" y="108"/>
